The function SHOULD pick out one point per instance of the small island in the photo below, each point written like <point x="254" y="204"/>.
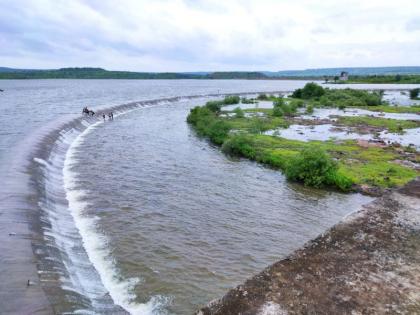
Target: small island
<point x="358" y="152"/>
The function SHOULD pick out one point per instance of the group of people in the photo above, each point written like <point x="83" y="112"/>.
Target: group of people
<point x="89" y="112"/>
<point x="110" y="116"/>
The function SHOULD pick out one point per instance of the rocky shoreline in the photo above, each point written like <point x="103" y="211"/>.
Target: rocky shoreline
<point x="367" y="264"/>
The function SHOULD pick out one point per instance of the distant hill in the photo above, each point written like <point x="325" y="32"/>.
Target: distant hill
<point x="236" y="75"/>
<point x="361" y="71"/>
<point x="88" y="73"/>
<point x="99" y="73"/>
<point x="5" y="69"/>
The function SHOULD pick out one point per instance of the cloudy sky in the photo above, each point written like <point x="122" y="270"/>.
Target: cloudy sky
<point x="204" y="35"/>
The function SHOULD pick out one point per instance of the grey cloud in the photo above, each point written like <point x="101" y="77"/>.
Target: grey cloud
<point x="227" y="35"/>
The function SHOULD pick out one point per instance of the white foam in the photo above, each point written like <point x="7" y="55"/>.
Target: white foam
<point x="95" y="244"/>
<point x="40" y="161"/>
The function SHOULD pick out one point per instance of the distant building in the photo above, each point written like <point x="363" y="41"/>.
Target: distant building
<point x="344" y="76"/>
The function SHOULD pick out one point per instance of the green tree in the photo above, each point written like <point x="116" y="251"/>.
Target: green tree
<point x="310" y="90"/>
<point x="414" y="93"/>
<point x="214" y="106"/>
<point x="239" y="113"/>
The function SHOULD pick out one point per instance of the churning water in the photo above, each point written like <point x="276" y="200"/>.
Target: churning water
<point x="140" y="215"/>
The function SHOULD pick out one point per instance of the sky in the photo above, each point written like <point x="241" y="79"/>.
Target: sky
<point x="204" y="35"/>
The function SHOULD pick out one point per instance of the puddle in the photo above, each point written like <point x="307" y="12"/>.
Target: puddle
<point x="256" y="114"/>
<point x="399" y="98"/>
<point x="316" y="132"/>
<point x="225" y="115"/>
<point x="260" y="104"/>
<point x="411" y="136"/>
<point x="330" y="132"/>
<point x="325" y="113"/>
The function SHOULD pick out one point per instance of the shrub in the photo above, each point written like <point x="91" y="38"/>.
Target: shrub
<point x="414" y="93"/>
<point x="214" y="106"/>
<point x="297" y="103"/>
<point x="206" y="124"/>
<point x="342" y="106"/>
<point x="232" y="99"/>
<point x="280" y="108"/>
<point x="197" y="113"/>
<point x="297" y="93"/>
<point x="277" y="111"/>
<point x="348" y="97"/>
<point x="309" y="109"/>
<point x="310" y="90"/>
<point x="325" y="101"/>
<point x="262" y="97"/>
<point x="257" y="125"/>
<point x="312" y="166"/>
<point x="240" y="145"/>
<point x="341" y="181"/>
<point x="218" y="131"/>
<point x="373" y="99"/>
<point x="278" y="102"/>
<point x="239" y="113"/>
<point x="245" y="100"/>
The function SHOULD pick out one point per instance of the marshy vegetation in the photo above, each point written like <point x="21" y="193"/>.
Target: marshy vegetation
<point x="377" y="79"/>
<point x="343" y="164"/>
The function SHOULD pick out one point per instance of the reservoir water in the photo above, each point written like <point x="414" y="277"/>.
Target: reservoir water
<point x="139" y="214"/>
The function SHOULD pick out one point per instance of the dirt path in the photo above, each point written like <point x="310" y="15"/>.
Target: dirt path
<point x="368" y="264"/>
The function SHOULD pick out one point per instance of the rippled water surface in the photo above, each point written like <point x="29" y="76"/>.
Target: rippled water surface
<point x="143" y="212"/>
<point x="185" y="220"/>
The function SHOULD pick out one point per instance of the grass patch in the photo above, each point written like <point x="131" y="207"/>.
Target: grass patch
<point x="415" y="109"/>
<point x="256" y="124"/>
<point x="392" y="125"/>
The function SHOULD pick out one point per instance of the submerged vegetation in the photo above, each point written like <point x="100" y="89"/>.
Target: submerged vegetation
<point x="344" y="165"/>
